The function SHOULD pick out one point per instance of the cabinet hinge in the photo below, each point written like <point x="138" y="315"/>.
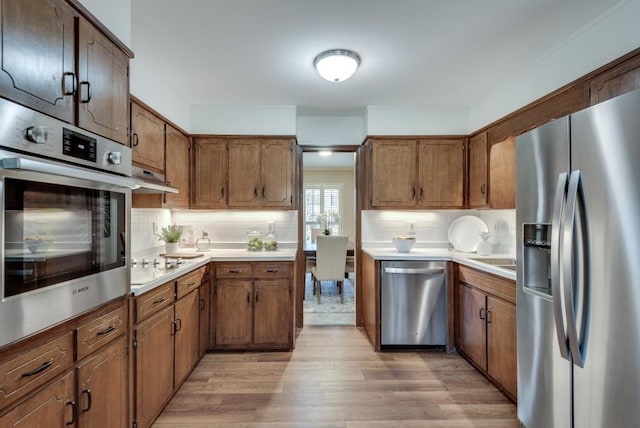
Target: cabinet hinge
<point x="134" y="343"/>
<point x="135" y="424"/>
<point x="290" y="289"/>
<point x="126" y="350"/>
<point x="291" y="198"/>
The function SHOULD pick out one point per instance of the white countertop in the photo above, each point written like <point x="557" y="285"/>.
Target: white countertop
<point x="444" y="254"/>
<point x="214" y="255"/>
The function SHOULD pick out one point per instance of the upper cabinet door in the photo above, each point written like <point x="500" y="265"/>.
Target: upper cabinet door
<point x="502" y="174"/>
<point x="478" y="170"/>
<point x="209" y="172"/>
<point x="177" y="171"/>
<point x="244" y="173"/>
<point x="277" y="173"/>
<point x="393" y="173"/>
<point x="103" y="88"/>
<point x="147" y="139"/>
<point x="441" y="173"/>
<point x="38" y="55"/>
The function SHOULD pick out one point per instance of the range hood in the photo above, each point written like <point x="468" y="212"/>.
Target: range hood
<point x="149" y="182"/>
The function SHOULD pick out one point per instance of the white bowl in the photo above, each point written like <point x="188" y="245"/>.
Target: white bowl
<point x="403" y="244"/>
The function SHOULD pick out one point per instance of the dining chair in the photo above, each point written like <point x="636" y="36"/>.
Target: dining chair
<point x="331" y="260"/>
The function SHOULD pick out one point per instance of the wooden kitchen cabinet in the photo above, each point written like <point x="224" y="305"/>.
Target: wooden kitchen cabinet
<point x="147" y="139"/>
<point x="616" y="81"/>
<point x="245" y="189"/>
<point x="38" y="60"/>
<point x="75" y="373"/>
<point x="234" y="312"/>
<point x="153" y="345"/>
<point x="102" y="379"/>
<point x="440" y="173"/>
<point x="417" y="173"/>
<point x="253" y="306"/>
<point x="52" y="406"/>
<point x="486" y="326"/>
<point x="502" y="174"/>
<point x="261" y="172"/>
<point x="178" y="162"/>
<point x="370" y="285"/>
<point x="393" y="171"/>
<point x="103" y="84"/>
<point x="277" y="173"/>
<point x="478" y="170"/>
<point x="210" y="164"/>
<point x="501" y="344"/>
<point x="187" y="334"/>
<point x="44" y="68"/>
<point x="166" y="341"/>
<point x="473" y="337"/>
<point x="204" y="341"/>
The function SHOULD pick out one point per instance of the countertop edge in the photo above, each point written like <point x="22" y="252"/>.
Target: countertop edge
<point x="424" y="254"/>
<point x="286" y="256"/>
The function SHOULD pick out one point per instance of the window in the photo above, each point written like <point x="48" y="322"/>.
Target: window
<point x="322" y="208"/>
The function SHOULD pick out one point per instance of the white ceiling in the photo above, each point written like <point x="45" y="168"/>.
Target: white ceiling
<point x="414" y="52"/>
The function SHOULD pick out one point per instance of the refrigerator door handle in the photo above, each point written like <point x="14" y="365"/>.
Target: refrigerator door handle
<point x="575" y="197"/>
<point x="556" y="294"/>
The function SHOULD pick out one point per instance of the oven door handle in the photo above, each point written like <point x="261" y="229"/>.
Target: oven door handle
<point x="22" y="164"/>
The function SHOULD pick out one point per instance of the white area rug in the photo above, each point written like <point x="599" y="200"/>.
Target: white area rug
<point x="329" y="311"/>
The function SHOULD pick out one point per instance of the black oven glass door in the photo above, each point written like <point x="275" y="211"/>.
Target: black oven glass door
<point x="54" y="233"/>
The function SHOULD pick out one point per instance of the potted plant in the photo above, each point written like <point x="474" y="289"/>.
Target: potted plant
<point x="171" y="236"/>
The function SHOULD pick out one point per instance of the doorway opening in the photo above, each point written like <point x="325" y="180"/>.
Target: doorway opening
<point x="328" y="208"/>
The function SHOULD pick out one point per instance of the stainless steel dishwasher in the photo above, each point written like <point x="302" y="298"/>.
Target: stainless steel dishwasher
<point x="413" y="301"/>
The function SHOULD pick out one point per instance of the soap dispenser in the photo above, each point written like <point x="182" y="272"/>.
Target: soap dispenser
<point x="203" y="244"/>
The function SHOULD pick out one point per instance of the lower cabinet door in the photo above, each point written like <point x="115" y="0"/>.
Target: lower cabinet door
<point x="205" y="318"/>
<point x="502" y="356"/>
<point x="187" y="335"/>
<point x="102" y="388"/>
<point x="154" y="365"/>
<point x="473" y="339"/>
<point x="51" y="407"/>
<point x="234" y="312"/>
<point x="272" y="311"/>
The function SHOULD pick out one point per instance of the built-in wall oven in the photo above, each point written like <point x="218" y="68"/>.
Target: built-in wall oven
<point x="65" y="198"/>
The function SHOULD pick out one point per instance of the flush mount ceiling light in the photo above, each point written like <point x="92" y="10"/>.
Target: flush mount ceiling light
<point x="324" y="153"/>
<point x="336" y="65"/>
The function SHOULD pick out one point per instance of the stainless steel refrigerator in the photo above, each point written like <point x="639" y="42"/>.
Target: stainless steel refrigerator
<point x="578" y="243"/>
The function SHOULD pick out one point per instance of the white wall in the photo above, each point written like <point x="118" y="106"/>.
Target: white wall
<point x="317" y="129"/>
<point x="347" y="179"/>
<point x="250" y="120"/>
<point x="610" y="36"/>
<point x="149" y="86"/>
<point x="114" y="14"/>
<point x="416" y="120"/>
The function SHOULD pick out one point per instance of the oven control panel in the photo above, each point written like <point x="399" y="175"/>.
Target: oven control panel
<point x="37" y="134"/>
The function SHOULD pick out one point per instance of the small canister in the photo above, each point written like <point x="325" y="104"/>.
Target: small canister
<point x="254" y="240"/>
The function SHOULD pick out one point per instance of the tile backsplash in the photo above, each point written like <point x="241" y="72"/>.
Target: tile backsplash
<point x="431" y="227"/>
<point x="225" y="228"/>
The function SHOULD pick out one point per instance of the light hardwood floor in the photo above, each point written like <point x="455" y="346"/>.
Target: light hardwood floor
<point x="334" y="379"/>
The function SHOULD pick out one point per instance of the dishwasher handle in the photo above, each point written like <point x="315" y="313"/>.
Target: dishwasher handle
<point x="414" y="271"/>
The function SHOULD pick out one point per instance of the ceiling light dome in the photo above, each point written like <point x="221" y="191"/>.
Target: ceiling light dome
<point x="337" y="65"/>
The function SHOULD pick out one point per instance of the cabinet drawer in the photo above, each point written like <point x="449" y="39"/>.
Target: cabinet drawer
<point x="154" y="300"/>
<point x="101" y="331"/>
<point x="189" y="282"/>
<point x="234" y="270"/>
<point x="272" y="270"/>
<point x="23" y="374"/>
<point x="492" y="284"/>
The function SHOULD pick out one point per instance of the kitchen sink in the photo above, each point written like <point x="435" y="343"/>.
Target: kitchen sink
<point x="501" y="262"/>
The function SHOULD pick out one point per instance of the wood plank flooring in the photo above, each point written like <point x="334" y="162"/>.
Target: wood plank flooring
<point x="334" y="379"/>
